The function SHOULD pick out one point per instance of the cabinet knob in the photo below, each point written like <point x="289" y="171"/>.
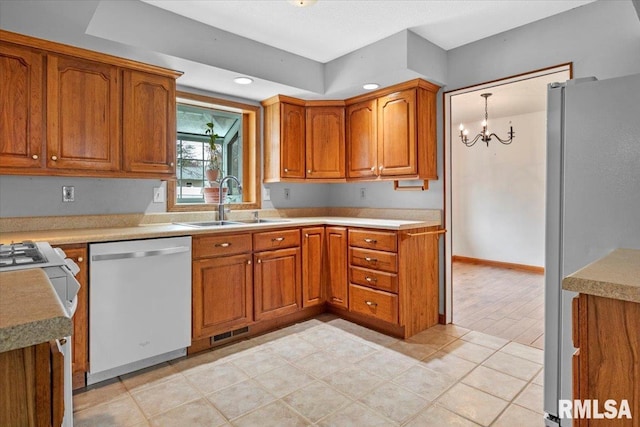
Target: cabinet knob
<point x="380" y="167"/>
<point x="306" y="235"/>
<point x="259" y="261"/>
<point x="309" y="171"/>
<point x="54" y="158"/>
<point x="171" y="164"/>
<point x="286" y="170"/>
<point x="249" y="262"/>
<point x="373" y="168"/>
<point x="80" y="259"/>
<point x="34" y="157"/>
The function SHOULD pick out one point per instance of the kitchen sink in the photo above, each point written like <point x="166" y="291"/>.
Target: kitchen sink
<point x="201" y="224"/>
<point x="262" y="220"/>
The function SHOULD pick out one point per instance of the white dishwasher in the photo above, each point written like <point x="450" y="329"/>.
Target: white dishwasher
<point x="139" y="304"/>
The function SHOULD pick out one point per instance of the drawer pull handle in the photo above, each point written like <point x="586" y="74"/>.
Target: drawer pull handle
<point x="222" y="245"/>
<point x="371" y="279"/>
<point x="277" y="239"/>
<point x="371" y="303"/>
<point x="369" y="259"/>
<point x="367" y="240"/>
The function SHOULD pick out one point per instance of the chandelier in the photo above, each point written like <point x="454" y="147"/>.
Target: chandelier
<point x="484" y="135"/>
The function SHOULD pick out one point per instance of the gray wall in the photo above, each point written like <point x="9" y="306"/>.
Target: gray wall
<point x="601" y="38"/>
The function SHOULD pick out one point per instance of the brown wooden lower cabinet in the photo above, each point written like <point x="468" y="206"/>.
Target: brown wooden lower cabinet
<point x="607" y="363"/>
<point x="277" y="283"/>
<point x="336" y="267"/>
<point x="32" y="386"/>
<point x="313" y="243"/>
<point x="222" y="294"/>
<point x="80" y="337"/>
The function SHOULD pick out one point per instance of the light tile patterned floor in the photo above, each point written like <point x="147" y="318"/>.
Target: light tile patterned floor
<point x="330" y="372"/>
<point x="502" y="302"/>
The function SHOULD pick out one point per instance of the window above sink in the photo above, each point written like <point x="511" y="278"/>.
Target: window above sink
<point x="235" y="126"/>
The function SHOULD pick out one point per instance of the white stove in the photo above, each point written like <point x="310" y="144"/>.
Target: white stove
<point x="61" y="272"/>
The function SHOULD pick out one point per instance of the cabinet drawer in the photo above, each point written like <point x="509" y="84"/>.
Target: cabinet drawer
<point x="376" y="260"/>
<point x="276" y="240"/>
<point x="374" y="279"/>
<point x="219" y="245"/>
<point x="369" y="239"/>
<point x="378" y="304"/>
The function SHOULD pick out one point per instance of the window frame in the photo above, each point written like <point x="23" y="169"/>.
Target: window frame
<point x="251" y="177"/>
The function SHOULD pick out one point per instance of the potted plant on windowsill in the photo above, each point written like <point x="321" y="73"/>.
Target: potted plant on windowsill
<point x="213" y="168"/>
<point x="211" y="193"/>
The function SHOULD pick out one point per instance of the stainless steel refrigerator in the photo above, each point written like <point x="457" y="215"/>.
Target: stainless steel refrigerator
<point x="593" y="202"/>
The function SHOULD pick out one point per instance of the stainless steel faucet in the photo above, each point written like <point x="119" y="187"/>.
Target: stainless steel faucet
<point x="221" y="201"/>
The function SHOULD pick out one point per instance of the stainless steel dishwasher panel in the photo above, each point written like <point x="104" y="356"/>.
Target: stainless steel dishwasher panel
<point x="139" y="304"/>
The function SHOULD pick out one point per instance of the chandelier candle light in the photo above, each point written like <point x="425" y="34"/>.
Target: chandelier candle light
<point x="484" y="135"/>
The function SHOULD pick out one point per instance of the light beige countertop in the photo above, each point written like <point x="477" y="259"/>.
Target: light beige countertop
<point x="100" y="234"/>
<point x="616" y="276"/>
<point x="30" y="311"/>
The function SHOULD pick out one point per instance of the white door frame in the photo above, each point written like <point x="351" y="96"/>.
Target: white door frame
<point x="448" y="138"/>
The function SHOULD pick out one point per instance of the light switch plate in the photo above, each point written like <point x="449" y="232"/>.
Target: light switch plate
<point x="68" y="193"/>
<point x="158" y="195"/>
<point x="267" y="194"/>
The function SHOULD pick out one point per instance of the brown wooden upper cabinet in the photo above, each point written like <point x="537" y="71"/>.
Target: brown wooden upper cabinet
<point x="303" y="141"/>
<point x="73" y="112"/>
<point x="387" y="134"/>
<point x="21" y="103"/>
<point x="83" y="114"/>
<point x="325" y="142"/>
<point x="149" y="123"/>
<point x="362" y="137"/>
<point x="391" y="133"/>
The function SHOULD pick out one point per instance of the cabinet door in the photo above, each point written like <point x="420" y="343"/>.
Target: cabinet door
<point x="325" y="142"/>
<point x="397" y="144"/>
<point x="292" y="141"/>
<point x="362" y="144"/>
<point x="337" y="289"/>
<point x="79" y="340"/>
<point x="83" y="114"/>
<point x="312" y="261"/>
<point x="222" y="294"/>
<point x="21" y="107"/>
<point x="149" y="119"/>
<point x="277" y="284"/>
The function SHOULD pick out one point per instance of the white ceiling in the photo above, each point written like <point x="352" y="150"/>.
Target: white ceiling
<point x="331" y="28"/>
<point x="527" y="95"/>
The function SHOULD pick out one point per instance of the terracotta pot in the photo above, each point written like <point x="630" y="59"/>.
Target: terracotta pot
<point x="212" y="195"/>
<point x="212" y="174"/>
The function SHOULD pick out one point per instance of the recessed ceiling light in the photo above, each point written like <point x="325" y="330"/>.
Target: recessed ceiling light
<point x="303" y="3"/>
<point x="370" y="86"/>
<point x="243" y="80"/>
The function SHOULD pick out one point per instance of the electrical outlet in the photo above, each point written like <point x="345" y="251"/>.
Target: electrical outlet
<point x="363" y="193"/>
<point x="267" y="194"/>
<point x="287" y="194"/>
<point x="158" y="195"/>
<point x="68" y="193"/>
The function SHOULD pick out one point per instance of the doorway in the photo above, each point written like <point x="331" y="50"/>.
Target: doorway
<point x="494" y="206"/>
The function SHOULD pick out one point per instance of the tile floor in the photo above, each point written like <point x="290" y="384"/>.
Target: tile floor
<point x="331" y="372"/>
<point x="502" y="302"/>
